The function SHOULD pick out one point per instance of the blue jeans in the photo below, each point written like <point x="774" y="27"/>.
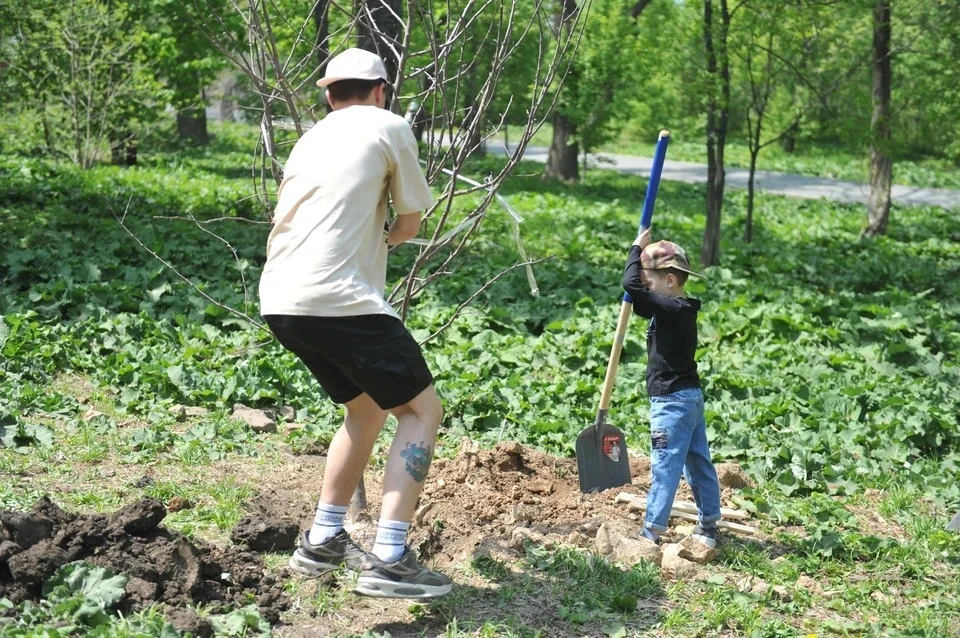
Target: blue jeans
<point x="678" y="443"/>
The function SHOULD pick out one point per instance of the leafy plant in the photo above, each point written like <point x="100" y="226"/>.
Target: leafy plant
<point x="19" y="436"/>
<point x="245" y="622"/>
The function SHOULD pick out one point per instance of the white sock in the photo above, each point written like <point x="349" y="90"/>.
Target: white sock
<point x="391" y="540"/>
<point x="327" y="521"/>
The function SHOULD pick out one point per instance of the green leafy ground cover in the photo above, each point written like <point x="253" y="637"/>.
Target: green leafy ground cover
<point x="826" y="363"/>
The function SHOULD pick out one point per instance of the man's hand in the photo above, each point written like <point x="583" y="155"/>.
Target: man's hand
<point x="404" y="227"/>
<point x="643" y="239"/>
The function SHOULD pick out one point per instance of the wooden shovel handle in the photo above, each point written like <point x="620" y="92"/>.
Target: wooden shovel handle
<point x="626" y="309"/>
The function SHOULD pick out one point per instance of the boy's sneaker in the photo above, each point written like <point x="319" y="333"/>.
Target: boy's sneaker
<point x="705" y="535"/>
<point x="650" y="536"/>
<point x="337" y="551"/>
<point x="403" y="578"/>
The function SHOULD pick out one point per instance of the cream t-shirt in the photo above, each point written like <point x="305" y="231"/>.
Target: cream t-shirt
<point x="327" y="252"/>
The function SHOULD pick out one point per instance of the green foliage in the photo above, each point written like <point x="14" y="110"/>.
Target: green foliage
<point x="77" y="599"/>
<point x="17" y="436"/>
<point x="597" y="92"/>
<point x="243" y="622"/>
<point x="83" y="593"/>
<point x="803" y="334"/>
<point x="82" y="69"/>
<point x="821" y="72"/>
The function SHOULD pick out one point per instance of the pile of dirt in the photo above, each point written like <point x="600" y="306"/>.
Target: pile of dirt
<point x="162" y="567"/>
<point x="475" y="502"/>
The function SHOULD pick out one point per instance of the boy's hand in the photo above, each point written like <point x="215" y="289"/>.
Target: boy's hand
<point x="643" y="239"/>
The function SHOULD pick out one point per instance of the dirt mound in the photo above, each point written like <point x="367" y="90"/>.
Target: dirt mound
<point x="162" y="566"/>
<point x="478" y="500"/>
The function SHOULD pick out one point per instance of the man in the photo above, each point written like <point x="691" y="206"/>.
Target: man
<point x="321" y="293"/>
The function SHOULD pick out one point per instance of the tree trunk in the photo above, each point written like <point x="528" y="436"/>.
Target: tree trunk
<point x="379" y="28"/>
<point x="123" y="148"/>
<point x="416" y="115"/>
<point x="323" y="34"/>
<point x="718" y="67"/>
<point x="563" y="159"/>
<point x="789" y="139"/>
<point x="47" y="134"/>
<point x="751" y="193"/>
<point x="758" y="107"/>
<point x="881" y="163"/>
<point x="192" y="124"/>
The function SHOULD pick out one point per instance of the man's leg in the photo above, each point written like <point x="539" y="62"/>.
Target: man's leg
<point x="410" y="454"/>
<point x="391" y="569"/>
<point x="326" y="545"/>
<point x="350" y="449"/>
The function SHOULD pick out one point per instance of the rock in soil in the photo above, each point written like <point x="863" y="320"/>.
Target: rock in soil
<point x="631" y="551"/>
<point x="264" y="535"/>
<point x="258" y="420"/>
<point x="177" y="503"/>
<point x="140" y="518"/>
<point x="806" y="583"/>
<point x="674" y="566"/>
<point x="695" y="551"/>
<point x="732" y="475"/>
<point x="188" y="621"/>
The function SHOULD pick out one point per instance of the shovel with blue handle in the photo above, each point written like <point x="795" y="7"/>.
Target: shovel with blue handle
<point x="602" y="460"/>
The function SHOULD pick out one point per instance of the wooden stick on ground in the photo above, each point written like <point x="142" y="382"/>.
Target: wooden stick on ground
<point x="640" y="504"/>
<point x="683" y="506"/>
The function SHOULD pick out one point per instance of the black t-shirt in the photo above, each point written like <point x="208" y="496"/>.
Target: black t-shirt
<point x="671" y="333"/>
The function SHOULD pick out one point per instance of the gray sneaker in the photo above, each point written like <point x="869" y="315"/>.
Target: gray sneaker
<point x="403" y="578"/>
<point x="705" y="535"/>
<point x="332" y="554"/>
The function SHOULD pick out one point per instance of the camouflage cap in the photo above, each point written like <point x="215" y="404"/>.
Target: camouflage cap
<point x="665" y="254"/>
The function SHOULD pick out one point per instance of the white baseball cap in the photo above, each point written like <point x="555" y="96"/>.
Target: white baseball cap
<point x="353" y="64"/>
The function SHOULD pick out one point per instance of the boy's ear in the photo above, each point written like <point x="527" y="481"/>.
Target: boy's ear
<point x="671" y="280"/>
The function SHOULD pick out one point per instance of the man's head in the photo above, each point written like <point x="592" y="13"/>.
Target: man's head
<point x="353" y="77"/>
<point x="665" y="268"/>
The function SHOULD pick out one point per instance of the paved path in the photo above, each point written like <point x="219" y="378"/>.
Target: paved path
<point x="780" y="183"/>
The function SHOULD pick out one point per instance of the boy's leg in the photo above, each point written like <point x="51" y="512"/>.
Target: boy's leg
<point x="671" y="425"/>
<point x="701" y="474"/>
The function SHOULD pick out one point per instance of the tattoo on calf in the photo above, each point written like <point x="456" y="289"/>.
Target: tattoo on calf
<point x="418" y="460"/>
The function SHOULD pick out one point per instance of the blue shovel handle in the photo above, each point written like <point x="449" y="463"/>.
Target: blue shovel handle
<point x="653" y="185"/>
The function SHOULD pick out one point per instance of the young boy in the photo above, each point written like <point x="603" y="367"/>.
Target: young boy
<point x="655" y="277"/>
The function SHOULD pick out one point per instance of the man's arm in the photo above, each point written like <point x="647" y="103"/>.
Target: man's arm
<point x="404" y="227"/>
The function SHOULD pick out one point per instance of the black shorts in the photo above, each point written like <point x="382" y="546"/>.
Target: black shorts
<point x="349" y="356"/>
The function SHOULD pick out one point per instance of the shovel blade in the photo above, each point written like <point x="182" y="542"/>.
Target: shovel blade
<point x="602" y="461"/>
<point x="954" y="525"/>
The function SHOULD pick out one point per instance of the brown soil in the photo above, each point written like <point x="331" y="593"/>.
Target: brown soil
<point x="483" y="501"/>
<point x="472" y="504"/>
<point x="162" y="567"/>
